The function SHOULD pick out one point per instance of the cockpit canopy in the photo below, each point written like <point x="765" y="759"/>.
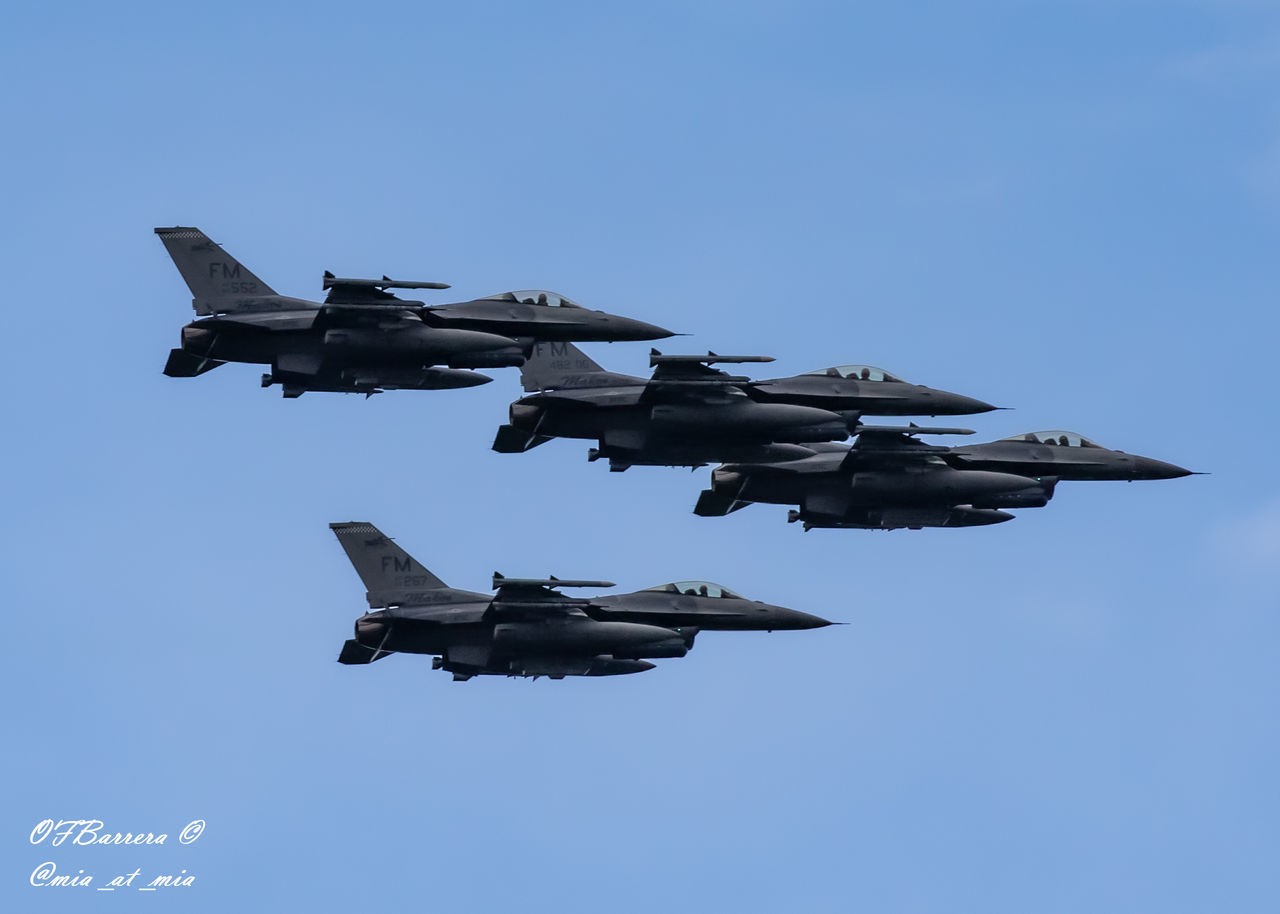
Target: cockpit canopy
<point x="537" y="297"/>
<point x="1055" y="438"/>
<point x="696" y="589"/>
<point x="856" y="373"/>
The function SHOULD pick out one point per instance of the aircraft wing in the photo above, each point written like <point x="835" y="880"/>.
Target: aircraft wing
<point x="599" y="396"/>
<point x="344" y="315"/>
<point x="668" y="390"/>
<point x="893" y="448"/>
<point x="816" y="464"/>
<point x="328" y="316"/>
<point x="262" y="320"/>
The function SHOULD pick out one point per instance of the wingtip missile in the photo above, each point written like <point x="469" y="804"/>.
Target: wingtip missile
<point x="912" y="429"/>
<point x="386" y="282"/>
<point x="656" y="358"/>
<point x="552" y="581"/>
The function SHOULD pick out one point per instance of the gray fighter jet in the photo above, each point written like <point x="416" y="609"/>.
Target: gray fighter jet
<point x="686" y="414"/>
<point x="529" y="628"/>
<point x="884" y="481"/>
<point x="865" y="390"/>
<point x="1065" y="455"/>
<point x="362" y="338"/>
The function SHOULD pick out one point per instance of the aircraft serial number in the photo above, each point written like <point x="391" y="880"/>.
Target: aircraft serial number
<point x="411" y="580"/>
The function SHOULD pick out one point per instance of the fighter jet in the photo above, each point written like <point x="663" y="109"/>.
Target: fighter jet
<point x="865" y="390"/>
<point x="1065" y="455"/>
<point x="528" y="627"/>
<point x="886" y="480"/>
<point x="686" y="414"/>
<point x="362" y="338"/>
<point x="542" y="316"/>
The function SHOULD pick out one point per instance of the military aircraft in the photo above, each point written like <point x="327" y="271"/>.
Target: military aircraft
<point x="362" y="338"/>
<point x="884" y="481"/>
<point x="686" y="414"/>
<point x="865" y="390"/>
<point x="1065" y="455"/>
<point x="529" y="628"/>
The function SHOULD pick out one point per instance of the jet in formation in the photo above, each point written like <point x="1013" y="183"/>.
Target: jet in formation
<point x="887" y="479"/>
<point x="362" y="338"/>
<point x="690" y="414"/>
<point x="528" y="627"/>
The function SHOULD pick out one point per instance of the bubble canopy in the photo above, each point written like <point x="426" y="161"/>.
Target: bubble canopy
<point x="855" y="373"/>
<point x="695" y="589"/>
<point x="536" y="297"/>
<point x="1057" y="438"/>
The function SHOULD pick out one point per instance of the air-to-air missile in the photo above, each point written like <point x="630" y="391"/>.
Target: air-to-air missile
<point x="528" y="627"/>
<point x="362" y="338"/>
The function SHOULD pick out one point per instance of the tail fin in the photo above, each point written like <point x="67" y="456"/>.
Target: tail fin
<point x="216" y="279"/>
<point x="389" y="573"/>
<point x="550" y="363"/>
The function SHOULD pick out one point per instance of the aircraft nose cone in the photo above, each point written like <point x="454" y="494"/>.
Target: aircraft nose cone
<point x="945" y="403"/>
<point x="784" y="619"/>
<point x="624" y="329"/>
<point x="1148" y="468"/>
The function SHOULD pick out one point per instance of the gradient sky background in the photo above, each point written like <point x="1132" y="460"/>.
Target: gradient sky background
<point x="1070" y="208"/>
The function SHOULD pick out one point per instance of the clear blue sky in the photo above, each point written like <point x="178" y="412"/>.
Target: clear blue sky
<point x="1070" y="208"/>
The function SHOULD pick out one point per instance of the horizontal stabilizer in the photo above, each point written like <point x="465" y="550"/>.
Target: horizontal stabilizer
<point x="716" y="504"/>
<point x="186" y="365"/>
<point x="511" y="440"/>
<point x="355" y="652"/>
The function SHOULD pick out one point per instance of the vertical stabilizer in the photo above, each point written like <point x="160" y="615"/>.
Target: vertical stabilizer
<point x="389" y="573"/>
<point x="550" y="364"/>
<point x="219" y="282"/>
